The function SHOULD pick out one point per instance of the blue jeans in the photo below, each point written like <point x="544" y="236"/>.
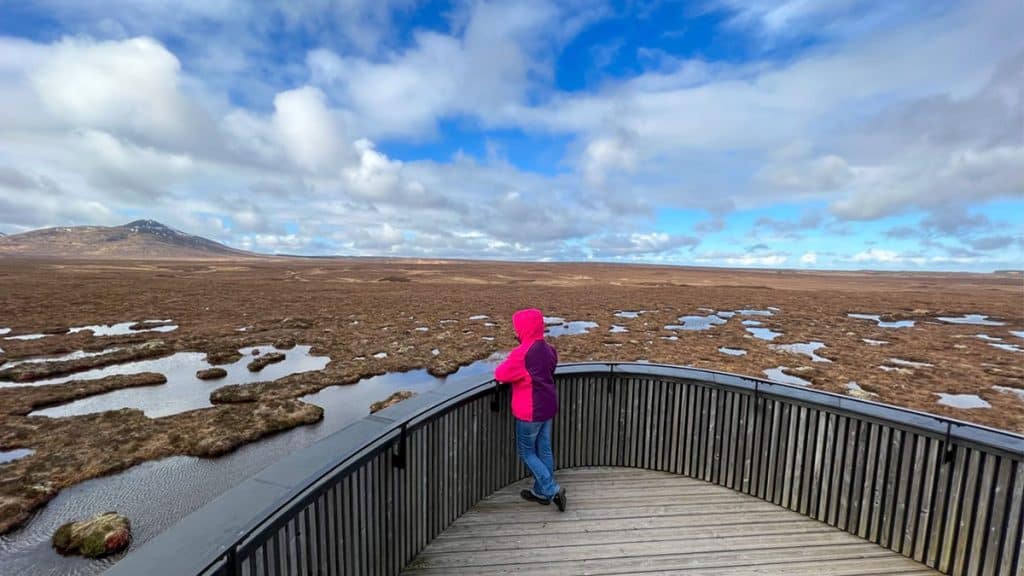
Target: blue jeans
<point x="533" y="441"/>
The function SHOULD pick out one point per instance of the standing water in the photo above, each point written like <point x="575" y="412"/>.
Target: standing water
<point x="183" y="390"/>
<point x="123" y="328"/>
<point x="779" y="375"/>
<point x="154" y="495"/>
<point x="882" y="323"/>
<point x="974" y="319"/>
<point x="556" y="326"/>
<point x="16" y="454"/>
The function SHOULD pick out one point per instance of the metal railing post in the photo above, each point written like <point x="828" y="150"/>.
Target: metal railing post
<point x="231" y="563"/>
<point x="494" y="397"/>
<point x="947" y="456"/>
<point x="398" y="459"/>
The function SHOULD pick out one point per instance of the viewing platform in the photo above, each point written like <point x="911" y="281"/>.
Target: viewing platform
<point x="627" y="521"/>
<point x="669" y="470"/>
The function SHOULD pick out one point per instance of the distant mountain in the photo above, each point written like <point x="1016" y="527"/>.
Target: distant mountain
<point x="143" y="239"/>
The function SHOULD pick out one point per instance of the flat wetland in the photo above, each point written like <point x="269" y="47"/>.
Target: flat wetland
<point x="373" y="317"/>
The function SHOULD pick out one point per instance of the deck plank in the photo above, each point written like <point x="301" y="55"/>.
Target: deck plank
<point x="628" y="521"/>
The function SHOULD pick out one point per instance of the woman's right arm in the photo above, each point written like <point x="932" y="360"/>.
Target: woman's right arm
<point x="513" y="369"/>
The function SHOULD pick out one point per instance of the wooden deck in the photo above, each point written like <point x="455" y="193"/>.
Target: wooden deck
<point x="628" y="521"/>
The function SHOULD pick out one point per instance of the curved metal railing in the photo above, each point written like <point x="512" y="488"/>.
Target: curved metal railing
<point x="368" y="498"/>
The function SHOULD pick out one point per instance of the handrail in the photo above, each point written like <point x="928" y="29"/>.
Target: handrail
<point x="217" y="535"/>
<point x="382" y="439"/>
<point x="979" y="434"/>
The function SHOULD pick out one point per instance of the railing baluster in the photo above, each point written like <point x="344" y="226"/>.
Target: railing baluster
<point x="944" y="493"/>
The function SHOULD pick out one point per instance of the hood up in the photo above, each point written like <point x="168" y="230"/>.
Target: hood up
<point x="528" y="324"/>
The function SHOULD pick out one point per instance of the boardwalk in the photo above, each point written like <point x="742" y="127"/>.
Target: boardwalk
<point x="626" y="521"/>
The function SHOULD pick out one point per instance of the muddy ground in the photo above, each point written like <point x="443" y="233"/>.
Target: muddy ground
<point x="352" y="310"/>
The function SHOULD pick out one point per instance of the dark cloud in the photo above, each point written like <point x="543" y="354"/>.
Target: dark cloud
<point x="955" y="221"/>
<point x="902" y="232"/>
<point x="942" y="151"/>
<point x="788" y="228"/>
<point x="993" y="242"/>
<point x="16" y="180"/>
<point x="715" y="224"/>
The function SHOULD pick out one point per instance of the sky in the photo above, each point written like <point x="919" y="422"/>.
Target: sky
<point x="815" y="134"/>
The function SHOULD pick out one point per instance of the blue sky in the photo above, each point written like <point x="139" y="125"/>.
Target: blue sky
<point x="841" y="134"/>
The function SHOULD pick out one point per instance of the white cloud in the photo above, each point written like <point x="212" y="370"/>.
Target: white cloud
<point x="129" y="87"/>
<point x="877" y="255"/>
<point x="809" y="258"/>
<point x="122" y="167"/>
<point x="374" y="176"/>
<point x="221" y="133"/>
<point x="383" y="238"/>
<point x="832" y="98"/>
<point x="310" y="133"/>
<point x="28" y="201"/>
<point x="364" y="24"/>
<point x="607" y="153"/>
<point x="754" y="258"/>
<point x="639" y="244"/>
<point x="274" y="243"/>
<point x="784" y="17"/>
<point x="481" y="71"/>
<point x="249" y="218"/>
<point x="750" y="260"/>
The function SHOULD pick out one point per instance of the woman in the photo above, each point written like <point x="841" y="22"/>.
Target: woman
<point x="530" y="370"/>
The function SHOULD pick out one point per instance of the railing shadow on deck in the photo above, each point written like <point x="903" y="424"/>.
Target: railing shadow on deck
<point x="369" y="498"/>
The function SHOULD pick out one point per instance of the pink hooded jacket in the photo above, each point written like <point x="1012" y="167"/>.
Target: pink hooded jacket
<point x="530" y="369"/>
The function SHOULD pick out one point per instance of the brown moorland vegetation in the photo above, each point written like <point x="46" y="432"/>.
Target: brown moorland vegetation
<point x="352" y="309"/>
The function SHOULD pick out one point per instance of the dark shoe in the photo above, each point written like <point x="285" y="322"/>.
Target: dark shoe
<point x="529" y="496"/>
<point x="560" y="500"/>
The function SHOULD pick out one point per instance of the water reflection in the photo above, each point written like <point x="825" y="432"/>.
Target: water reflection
<point x="1007" y="347"/>
<point x="1019" y="392"/>
<point x="965" y="401"/>
<point x="697" y="322"/>
<point x="805" y="348"/>
<point x="764" y="333"/>
<point x="123" y="328"/>
<point x="77" y="355"/>
<point x="155" y="495"/>
<point x="778" y="375"/>
<point x="26" y="337"/>
<point x="732" y="351"/>
<point x="557" y="326"/>
<point x="854" y="389"/>
<point x="877" y="318"/>
<point x="16" y="454"/>
<point x="183" y="390"/>
<point x="349" y="403"/>
<point x="975" y="319"/>
<point x="910" y="363"/>
<point x="749" y="312"/>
